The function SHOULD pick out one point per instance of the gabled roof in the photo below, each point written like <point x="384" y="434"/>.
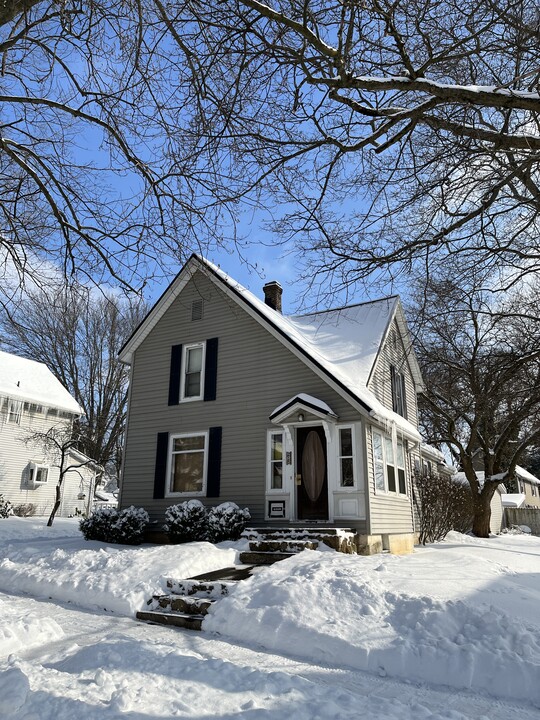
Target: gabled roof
<point x="340" y="345"/>
<point x="31" y="381"/>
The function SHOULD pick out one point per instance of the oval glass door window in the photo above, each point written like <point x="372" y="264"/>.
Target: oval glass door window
<point x="313" y="465"/>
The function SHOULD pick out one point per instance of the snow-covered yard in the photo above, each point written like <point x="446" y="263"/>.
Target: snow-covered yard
<point x="452" y="631"/>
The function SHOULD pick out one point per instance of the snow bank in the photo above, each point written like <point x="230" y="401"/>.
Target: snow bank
<point x="95" y="575"/>
<point x="350" y="611"/>
<point x="21" y="630"/>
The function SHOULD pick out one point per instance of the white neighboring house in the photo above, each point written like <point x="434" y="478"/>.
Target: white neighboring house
<point x="33" y="401"/>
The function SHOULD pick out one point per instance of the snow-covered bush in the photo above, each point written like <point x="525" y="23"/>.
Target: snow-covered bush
<point x="442" y="504"/>
<point x="186" y="522"/>
<point x="99" y="525"/>
<point x="130" y="525"/>
<point x="110" y="525"/>
<point x="226" y="522"/>
<point x="24" y="510"/>
<point x="6" y="508"/>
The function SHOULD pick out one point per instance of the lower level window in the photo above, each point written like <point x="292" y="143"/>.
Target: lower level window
<point x="388" y="464"/>
<point x="275" y="456"/>
<point x="188" y="464"/>
<point x="346" y="458"/>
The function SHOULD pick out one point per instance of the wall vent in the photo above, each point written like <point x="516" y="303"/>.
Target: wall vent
<point x="197" y="310"/>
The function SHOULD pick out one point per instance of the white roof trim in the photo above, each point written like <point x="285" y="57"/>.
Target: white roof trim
<point x="300" y="402"/>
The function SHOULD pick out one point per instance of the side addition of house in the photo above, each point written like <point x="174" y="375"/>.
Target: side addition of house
<point x="306" y="419"/>
<point x="32" y="402"/>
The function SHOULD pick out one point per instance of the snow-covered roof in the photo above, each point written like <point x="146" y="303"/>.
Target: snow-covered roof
<point x="514" y="500"/>
<point x="341" y="345"/>
<point x="432" y="451"/>
<point x="527" y="476"/>
<point x="31" y="381"/>
<point x="307" y="401"/>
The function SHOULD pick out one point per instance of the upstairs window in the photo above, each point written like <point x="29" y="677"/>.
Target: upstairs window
<point x="399" y="402"/>
<point x="14" y="411"/>
<point x="193" y="372"/>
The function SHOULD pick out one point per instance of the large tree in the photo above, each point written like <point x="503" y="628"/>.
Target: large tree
<point x="77" y="332"/>
<point x="96" y="175"/>
<point x="388" y="130"/>
<point x="391" y="130"/>
<point x="480" y="357"/>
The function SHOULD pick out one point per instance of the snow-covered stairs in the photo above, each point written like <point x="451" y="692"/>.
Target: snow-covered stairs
<point x="269" y="545"/>
<point x="185" y="605"/>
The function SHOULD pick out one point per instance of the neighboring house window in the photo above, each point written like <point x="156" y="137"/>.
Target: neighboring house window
<point x="193" y="372"/>
<point x="275" y="460"/>
<point x="346" y="457"/>
<point x="39" y="474"/>
<point x="14" y="411"/>
<point x="188" y="464"/>
<point x="388" y="464"/>
<point x="399" y="403"/>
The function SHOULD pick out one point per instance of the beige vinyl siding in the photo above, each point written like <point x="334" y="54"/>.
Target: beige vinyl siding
<point x="256" y="373"/>
<point x="532" y="497"/>
<point x="388" y="512"/>
<point x="16" y="453"/>
<point x="496" y="522"/>
<point x="393" y="353"/>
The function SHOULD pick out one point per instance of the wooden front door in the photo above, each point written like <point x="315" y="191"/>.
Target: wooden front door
<point x="311" y="472"/>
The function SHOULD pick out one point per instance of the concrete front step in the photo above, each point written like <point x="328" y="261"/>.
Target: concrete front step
<point x="177" y="603"/>
<point x="264" y="558"/>
<point x="340" y="539"/>
<point x="191" y="622"/>
<point x="293" y="531"/>
<point x="283" y="546"/>
<point x="198" y="588"/>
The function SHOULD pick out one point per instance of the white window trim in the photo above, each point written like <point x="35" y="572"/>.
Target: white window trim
<point x="14" y="415"/>
<point x="185" y="351"/>
<point x="172" y="438"/>
<point x="33" y="471"/>
<point x="386" y="491"/>
<point x="269" y="489"/>
<point x="354" y="486"/>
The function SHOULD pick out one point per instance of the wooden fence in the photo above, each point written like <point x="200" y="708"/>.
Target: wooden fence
<point x="524" y="516"/>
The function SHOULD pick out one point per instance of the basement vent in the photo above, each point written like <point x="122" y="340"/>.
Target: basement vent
<point x="196" y="310"/>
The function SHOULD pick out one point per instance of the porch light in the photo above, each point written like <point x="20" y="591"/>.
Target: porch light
<point x="300" y="417"/>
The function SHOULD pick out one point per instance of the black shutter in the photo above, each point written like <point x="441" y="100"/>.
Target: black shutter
<point x="403" y="395"/>
<point x="161" y="465"/>
<point x="174" y="377"/>
<point x="393" y="384"/>
<point x="210" y="369"/>
<point x="213" y="476"/>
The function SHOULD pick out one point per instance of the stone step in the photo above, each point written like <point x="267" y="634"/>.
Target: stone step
<point x="283" y="546"/>
<point x="339" y="539"/>
<point x="263" y="558"/>
<point x="296" y="530"/>
<point x="191" y="622"/>
<point x="198" y="588"/>
<point x="177" y="603"/>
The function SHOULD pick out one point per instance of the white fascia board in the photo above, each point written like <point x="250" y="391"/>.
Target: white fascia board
<point x="158" y="310"/>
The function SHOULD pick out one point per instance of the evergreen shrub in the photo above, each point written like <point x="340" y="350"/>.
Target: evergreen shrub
<point x="186" y="522"/>
<point x="6" y="508"/>
<point x="227" y="522"/>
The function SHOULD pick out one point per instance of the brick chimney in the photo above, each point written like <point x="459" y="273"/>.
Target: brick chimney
<point x="272" y="295"/>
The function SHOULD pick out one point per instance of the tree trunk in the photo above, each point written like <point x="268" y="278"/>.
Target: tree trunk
<point x="482" y="511"/>
<point x="56" y="503"/>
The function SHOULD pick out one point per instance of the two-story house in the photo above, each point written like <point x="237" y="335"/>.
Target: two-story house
<point x="306" y="419"/>
<point x="32" y="402"/>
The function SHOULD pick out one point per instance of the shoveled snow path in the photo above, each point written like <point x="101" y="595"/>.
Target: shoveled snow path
<point x="107" y="666"/>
